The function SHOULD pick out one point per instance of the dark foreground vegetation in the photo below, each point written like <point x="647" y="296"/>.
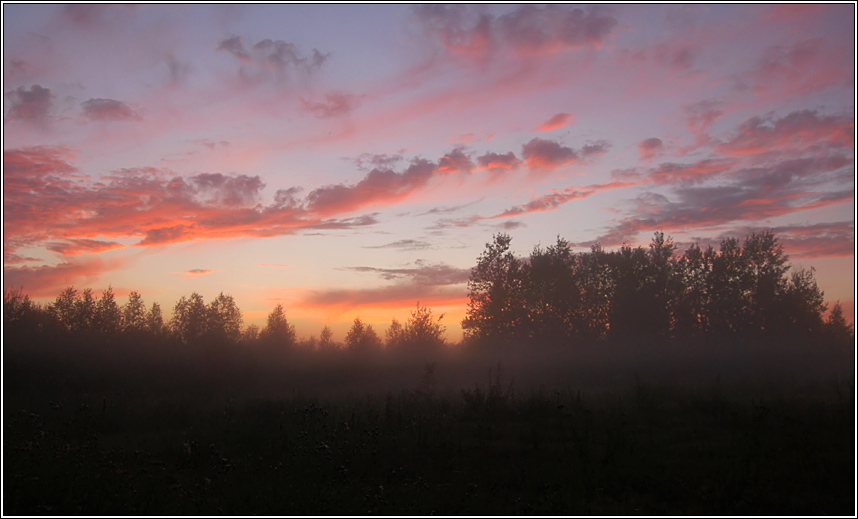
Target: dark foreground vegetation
<point x="763" y="441"/>
<point x="574" y="393"/>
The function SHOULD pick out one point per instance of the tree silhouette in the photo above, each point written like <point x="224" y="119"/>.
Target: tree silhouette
<point x="766" y="266"/>
<point x="134" y="314"/>
<point x="155" y="320"/>
<point x="326" y="338"/>
<point x="63" y="309"/>
<point x="596" y="288"/>
<point x="190" y="316"/>
<point x="641" y="306"/>
<point x="278" y="331"/>
<point x="552" y="293"/>
<point x="803" y="304"/>
<point x="496" y="310"/>
<point x="421" y="332"/>
<point x="362" y="338"/>
<point x="108" y="316"/>
<point x="836" y="328"/>
<point x="691" y="309"/>
<point x="729" y="286"/>
<point x="394" y="335"/>
<point x="223" y="319"/>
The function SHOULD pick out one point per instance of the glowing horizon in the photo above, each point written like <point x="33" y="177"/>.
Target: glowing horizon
<point x="351" y="160"/>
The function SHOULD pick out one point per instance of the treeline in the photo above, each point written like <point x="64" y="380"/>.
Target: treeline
<point x="742" y="291"/>
<point x="81" y="316"/>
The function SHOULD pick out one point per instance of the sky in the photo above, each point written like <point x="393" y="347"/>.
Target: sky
<point x="351" y="160"/>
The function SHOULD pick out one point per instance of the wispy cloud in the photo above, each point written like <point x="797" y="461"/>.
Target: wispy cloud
<point x="194" y="273"/>
<point x="422" y="273"/>
<point x="405" y="245"/>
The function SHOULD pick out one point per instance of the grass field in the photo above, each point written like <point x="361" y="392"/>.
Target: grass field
<point x="107" y="443"/>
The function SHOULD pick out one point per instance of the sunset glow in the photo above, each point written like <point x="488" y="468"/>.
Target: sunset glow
<point x="351" y="160"/>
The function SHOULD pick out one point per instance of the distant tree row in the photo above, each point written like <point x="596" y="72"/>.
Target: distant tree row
<point x="84" y="316"/>
<point x="645" y="295"/>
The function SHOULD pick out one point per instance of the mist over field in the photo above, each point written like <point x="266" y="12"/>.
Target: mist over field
<point x="584" y="385"/>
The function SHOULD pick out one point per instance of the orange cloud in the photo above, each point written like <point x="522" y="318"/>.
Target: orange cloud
<point x="194" y="273"/>
<point x="389" y="297"/>
<point x="556" y="121"/>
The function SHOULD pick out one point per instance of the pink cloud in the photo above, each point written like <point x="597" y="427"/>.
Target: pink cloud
<point x="556" y="121"/>
<point x="336" y="104"/>
<point x="76" y="247"/>
<point x="107" y="110"/>
<point x="499" y="162"/>
<point x="799" y="129"/>
<point x="554" y="200"/>
<point x="46" y="280"/>
<point x="46" y="198"/>
<point x="547" y="155"/>
<point x="380" y="185"/>
<point x="649" y="148"/>
<point x="670" y="173"/>
<point x="455" y="162"/>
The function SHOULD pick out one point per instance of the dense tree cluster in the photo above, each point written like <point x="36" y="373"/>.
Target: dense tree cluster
<point x="742" y="290"/>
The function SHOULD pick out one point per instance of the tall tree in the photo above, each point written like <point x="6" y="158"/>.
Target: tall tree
<point x="134" y="313"/>
<point x="85" y="308"/>
<point x="108" y="316"/>
<point x="277" y="330"/>
<point x="223" y="319"/>
<point x="190" y="318"/>
<point x="64" y="309"/>
<point x="804" y="304"/>
<point x="766" y="267"/>
<point x="596" y="286"/>
<point x="692" y="300"/>
<point x="155" y="320"/>
<point x="496" y="310"/>
<point x="551" y="292"/>
<point x="394" y="335"/>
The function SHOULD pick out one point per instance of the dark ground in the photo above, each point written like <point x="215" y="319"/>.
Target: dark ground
<point x="575" y="435"/>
